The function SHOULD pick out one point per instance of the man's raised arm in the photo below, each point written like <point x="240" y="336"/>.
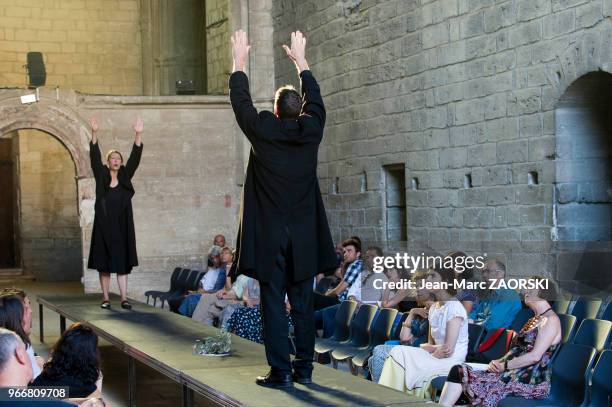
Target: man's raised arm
<point x="240" y="97"/>
<point x="313" y="102"/>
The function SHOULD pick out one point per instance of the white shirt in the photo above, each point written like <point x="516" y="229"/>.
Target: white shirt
<point x="35" y="368"/>
<point x="355" y="290"/>
<point x="209" y="279"/>
<point x="438" y="318"/>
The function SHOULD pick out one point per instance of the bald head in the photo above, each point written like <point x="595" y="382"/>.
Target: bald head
<point x="219" y="240"/>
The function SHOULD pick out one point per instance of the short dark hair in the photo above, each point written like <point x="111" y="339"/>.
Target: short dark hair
<point x="75" y="354"/>
<point x="287" y="103"/>
<point x="376" y="250"/>
<point x="352" y="242"/>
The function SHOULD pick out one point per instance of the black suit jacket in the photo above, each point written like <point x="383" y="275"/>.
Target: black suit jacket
<point x="281" y="187"/>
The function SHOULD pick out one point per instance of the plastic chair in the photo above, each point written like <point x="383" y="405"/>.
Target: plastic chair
<point x="521" y="319"/>
<point x="560" y="306"/>
<point x="360" y="334"/>
<point x="601" y="385"/>
<point x="607" y="314"/>
<point x="593" y="332"/>
<point x="341" y="328"/>
<point x="569" y="381"/>
<point x="568" y="326"/>
<point x="379" y="334"/>
<point x="179" y="288"/>
<point x="156" y="294"/>
<point x="174" y="300"/>
<point x="585" y="309"/>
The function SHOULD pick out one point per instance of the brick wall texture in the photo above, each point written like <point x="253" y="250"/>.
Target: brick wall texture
<point x="89" y="45"/>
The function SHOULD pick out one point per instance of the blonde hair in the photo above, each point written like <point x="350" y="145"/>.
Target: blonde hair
<point x="111" y="152"/>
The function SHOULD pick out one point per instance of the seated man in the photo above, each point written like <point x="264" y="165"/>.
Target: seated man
<point x="212" y="305"/>
<point x="213" y="281"/>
<point x="353" y="266"/>
<point x="500" y="306"/>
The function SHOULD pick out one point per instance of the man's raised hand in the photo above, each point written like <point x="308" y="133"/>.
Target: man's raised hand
<point x="240" y="50"/>
<point x="297" y="52"/>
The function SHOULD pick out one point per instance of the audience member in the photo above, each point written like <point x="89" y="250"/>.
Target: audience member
<point x="414" y="331"/>
<point x="74" y="363"/>
<point x="352" y="271"/>
<point x="466" y="296"/>
<point x="190" y="302"/>
<point x="15" y="365"/>
<point x="499" y="307"/>
<point x="211" y="306"/>
<point x="524" y="371"/>
<point x="407" y="367"/>
<point x="16" y="316"/>
<point x="219" y="241"/>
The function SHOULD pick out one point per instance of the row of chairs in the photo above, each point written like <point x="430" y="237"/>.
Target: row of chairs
<point x="584" y="308"/>
<point x="181" y="281"/>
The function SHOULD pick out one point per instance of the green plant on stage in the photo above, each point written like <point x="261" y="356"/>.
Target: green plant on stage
<point x="214" y="345"/>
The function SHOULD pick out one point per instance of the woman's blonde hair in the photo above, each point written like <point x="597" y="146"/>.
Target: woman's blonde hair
<point x="110" y="152"/>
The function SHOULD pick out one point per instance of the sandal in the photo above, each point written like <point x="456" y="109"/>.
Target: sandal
<point x="126" y="305"/>
<point x="105" y="304"/>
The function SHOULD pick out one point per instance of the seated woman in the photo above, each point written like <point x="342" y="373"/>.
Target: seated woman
<point x="74" y="363"/>
<point x="210" y="306"/>
<point x="466" y="296"/>
<point x="524" y="371"/>
<point x="411" y="368"/>
<point x="16" y="316"/>
<point x="415" y="328"/>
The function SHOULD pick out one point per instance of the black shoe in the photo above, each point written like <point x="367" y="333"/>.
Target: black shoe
<point x="275" y="380"/>
<point x="302" y="379"/>
<point x="126" y="305"/>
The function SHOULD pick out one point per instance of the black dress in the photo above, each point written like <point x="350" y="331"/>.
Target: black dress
<point x="113" y="238"/>
<point x="118" y="248"/>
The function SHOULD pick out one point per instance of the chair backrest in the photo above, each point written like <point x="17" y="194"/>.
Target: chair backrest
<point x="181" y="281"/>
<point x="521" y="319"/>
<point x="568" y="326"/>
<point x="381" y="328"/>
<point x="607" y="314"/>
<point x="398" y="328"/>
<point x="190" y="280"/>
<point x="601" y="385"/>
<point x="560" y="306"/>
<point x="193" y="284"/>
<point x="360" y="325"/>
<point x="475" y="334"/>
<point x="342" y="320"/>
<point x="593" y="332"/>
<point x="174" y="277"/>
<point x="570" y="374"/>
<point x="585" y="308"/>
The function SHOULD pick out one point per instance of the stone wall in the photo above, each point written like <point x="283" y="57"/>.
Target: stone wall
<point x="91" y="46"/>
<point x="49" y="222"/>
<point x="462" y="92"/>
<point x="218" y="52"/>
<point x="187" y="185"/>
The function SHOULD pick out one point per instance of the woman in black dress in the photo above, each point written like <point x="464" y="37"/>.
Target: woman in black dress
<point x="113" y="240"/>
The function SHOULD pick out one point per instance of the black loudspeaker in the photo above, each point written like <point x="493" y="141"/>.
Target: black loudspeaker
<point x="185" y="87"/>
<point x="35" y="68"/>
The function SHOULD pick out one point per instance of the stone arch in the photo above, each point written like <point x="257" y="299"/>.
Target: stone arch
<point x="56" y="115"/>
<point x="590" y="52"/>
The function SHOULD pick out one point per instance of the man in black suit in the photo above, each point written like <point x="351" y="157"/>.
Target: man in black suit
<point x="283" y="237"/>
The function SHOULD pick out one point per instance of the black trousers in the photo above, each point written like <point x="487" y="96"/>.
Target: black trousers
<point x="275" y="323"/>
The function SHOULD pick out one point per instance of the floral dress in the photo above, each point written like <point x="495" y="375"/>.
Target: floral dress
<point x="486" y="388"/>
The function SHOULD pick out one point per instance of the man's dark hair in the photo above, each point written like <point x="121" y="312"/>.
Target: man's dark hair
<point x="352" y="242"/>
<point x="287" y="103"/>
<point x="376" y="250"/>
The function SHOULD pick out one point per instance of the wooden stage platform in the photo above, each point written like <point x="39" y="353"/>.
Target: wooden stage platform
<point x="163" y="340"/>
